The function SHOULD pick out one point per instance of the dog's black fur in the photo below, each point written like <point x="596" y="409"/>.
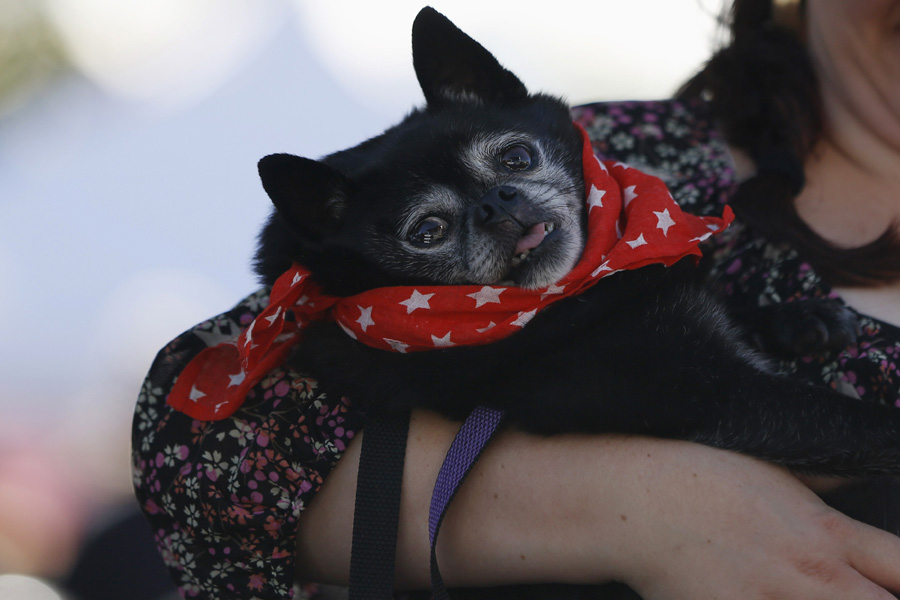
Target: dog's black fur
<point x="439" y="199"/>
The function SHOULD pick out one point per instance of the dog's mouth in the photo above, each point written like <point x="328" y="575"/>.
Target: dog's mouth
<point x="533" y="238"/>
<point x="529" y="266"/>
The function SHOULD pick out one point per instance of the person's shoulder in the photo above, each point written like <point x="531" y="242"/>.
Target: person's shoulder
<point x="675" y="140"/>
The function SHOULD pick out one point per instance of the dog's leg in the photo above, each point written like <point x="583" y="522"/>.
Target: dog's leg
<point x="805" y="428"/>
<point x="819" y="326"/>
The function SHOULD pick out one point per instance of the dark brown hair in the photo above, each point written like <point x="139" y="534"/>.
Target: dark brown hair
<point x="764" y="95"/>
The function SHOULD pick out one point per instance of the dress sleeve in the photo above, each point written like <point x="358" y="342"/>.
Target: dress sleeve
<point x="223" y="497"/>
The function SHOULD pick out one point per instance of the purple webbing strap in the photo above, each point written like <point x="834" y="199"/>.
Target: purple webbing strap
<point x="471" y="440"/>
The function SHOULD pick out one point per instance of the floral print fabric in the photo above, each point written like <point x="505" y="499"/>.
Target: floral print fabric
<point x="752" y="271"/>
<point x="223" y="497"/>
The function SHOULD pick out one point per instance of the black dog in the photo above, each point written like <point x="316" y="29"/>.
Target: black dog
<point x="484" y="186"/>
<point x="644" y="351"/>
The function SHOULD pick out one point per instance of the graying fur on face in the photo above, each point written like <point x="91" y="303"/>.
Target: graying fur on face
<point x="471" y="253"/>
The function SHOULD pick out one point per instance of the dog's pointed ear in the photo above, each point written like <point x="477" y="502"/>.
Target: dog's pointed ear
<point x="451" y="66"/>
<point x="309" y="194"/>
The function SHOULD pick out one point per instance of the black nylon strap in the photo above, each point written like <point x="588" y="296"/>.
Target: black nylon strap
<point x="377" y="510"/>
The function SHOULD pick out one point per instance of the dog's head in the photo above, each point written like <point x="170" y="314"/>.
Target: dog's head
<point x="481" y="186"/>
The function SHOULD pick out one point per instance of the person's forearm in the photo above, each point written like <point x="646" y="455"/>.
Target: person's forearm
<point x="674" y="520"/>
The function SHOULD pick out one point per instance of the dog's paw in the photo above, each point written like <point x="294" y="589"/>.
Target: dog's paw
<point x="815" y="327"/>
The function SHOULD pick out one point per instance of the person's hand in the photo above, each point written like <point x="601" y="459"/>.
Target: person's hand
<point x="713" y="524"/>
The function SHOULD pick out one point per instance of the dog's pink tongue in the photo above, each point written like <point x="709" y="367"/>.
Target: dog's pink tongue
<point x="532" y="239"/>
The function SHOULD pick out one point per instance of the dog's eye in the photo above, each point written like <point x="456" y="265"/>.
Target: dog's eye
<point x="516" y="158"/>
<point x="429" y="231"/>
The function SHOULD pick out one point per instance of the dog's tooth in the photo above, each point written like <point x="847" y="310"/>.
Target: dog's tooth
<point x="518" y="258"/>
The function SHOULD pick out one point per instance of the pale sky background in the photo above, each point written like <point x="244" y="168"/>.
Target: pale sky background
<point x="129" y="199"/>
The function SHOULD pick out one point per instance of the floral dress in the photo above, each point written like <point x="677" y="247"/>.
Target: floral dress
<point x="223" y="497"/>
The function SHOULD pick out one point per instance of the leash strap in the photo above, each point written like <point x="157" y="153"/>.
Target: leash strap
<point x="378" y="486"/>
<point x="377" y="510"/>
<point x="471" y="440"/>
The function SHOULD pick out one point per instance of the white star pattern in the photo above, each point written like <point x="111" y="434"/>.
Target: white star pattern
<point x="604" y="267"/>
<point x="595" y="198"/>
<point x="249" y="335"/>
<point x="417" y="300"/>
<point x="601" y="165"/>
<point x="553" y="290"/>
<point x="702" y="238"/>
<point x="490" y="326"/>
<point x="628" y="194"/>
<point x="397" y="345"/>
<point x="195" y="394"/>
<point x="297" y="279"/>
<point x="238" y="379"/>
<point x="524" y="317"/>
<point x="347" y="330"/>
<point x="623" y="165"/>
<point x="664" y="221"/>
<point x="442" y="342"/>
<point x="640" y="241"/>
<point x="486" y="295"/>
<point x="365" y="317"/>
<point x="272" y="318"/>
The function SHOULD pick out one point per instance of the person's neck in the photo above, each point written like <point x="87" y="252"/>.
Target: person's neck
<point x="852" y="195"/>
<point x="869" y="140"/>
<point x="853" y="185"/>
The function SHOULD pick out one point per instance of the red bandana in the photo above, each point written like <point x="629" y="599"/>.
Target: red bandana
<point x="632" y="222"/>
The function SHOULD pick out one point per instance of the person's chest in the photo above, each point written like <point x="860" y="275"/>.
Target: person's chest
<point x="882" y="303"/>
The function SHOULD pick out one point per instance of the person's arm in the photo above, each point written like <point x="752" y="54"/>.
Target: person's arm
<point x="673" y="520"/>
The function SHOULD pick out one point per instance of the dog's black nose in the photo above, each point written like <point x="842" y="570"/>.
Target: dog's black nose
<point x="498" y="205"/>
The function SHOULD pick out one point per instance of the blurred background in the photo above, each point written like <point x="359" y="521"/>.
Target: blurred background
<point x="129" y="204"/>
